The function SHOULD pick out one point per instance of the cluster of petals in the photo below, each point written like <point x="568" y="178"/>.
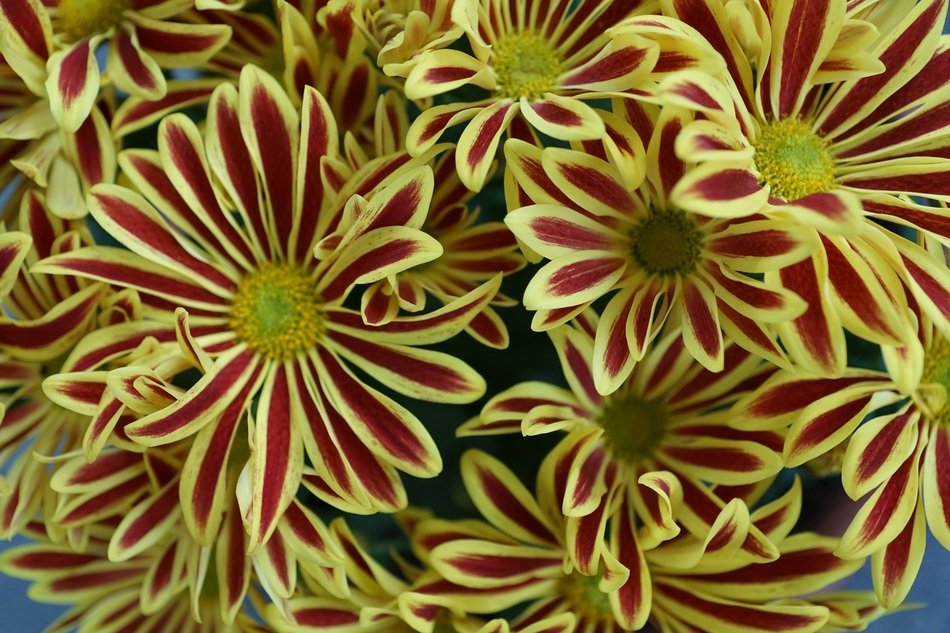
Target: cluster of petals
<point x="669" y="260"/>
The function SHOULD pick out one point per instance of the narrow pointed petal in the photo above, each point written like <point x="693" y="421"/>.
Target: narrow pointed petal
<point x="391" y="431"/>
<point x="479" y="143"/>
<point x="54" y="333"/>
<point x="418" y="373"/>
<point x="277" y="460"/>
<point x="935" y="485"/>
<point x="590" y="182"/>
<point x="804" y="34"/>
<point x="563" y="118"/>
<point x="203" y="488"/>
<point x="73" y="83"/>
<point x="708" y="613"/>
<point x="439" y="71"/>
<point x="179" y="44"/>
<point x="815" y="339"/>
<point x="483" y="564"/>
<point x="877" y="449"/>
<point x="720" y="190"/>
<point x="129" y="218"/>
<point x="553" y="231"/>
<point x="574" y="279"/>
<point x="894" y="569"/>
<point x="622" y="64"/>
<point x="503" y="500"/>
<point x="207" y="399"/>
<point x="702" y="333"/>
<point x="146" y="524"/>
<point x="886" y="513"/>
<point x="14" y="247"/>
<point x="132" y="70"/>
<point x="271" y="128"/>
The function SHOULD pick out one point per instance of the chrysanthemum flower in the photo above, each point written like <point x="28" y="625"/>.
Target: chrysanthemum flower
<point x="143" y="36"/>
<point x="63" y="162"/>
<point x="813" y="127"/>
<point x="663" y="435"/>
<point x="268" y="312"/>
<point x="537" y="59"/>
<point x="620" y="234"/>
<point x="897" y="450"/>
<point x="43" y="318"/>
<point x="520" y="557"/>
<point x="142" y="594"/>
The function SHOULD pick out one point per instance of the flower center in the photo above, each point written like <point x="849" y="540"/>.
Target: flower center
<point x="277" y="312"/>
<point x="667" y="243"/>
<point x="935" y="382"/>
<point x="526" y="65"/>
<point x="585" y="596"/>
<point x="633" y="427"/>
<point x="793" y="160"/>
<point x="82" y="18"/>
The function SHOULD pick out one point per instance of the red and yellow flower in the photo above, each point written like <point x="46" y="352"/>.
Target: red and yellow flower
<point x="539" y="60"/>
<point x="824" y="121"/>
<point x="620" y="234"/>
<point x="233" y="253"/>
<point x="143" y="37"/>
<point x="519" y="556"/>
<point x="891" y="434"/>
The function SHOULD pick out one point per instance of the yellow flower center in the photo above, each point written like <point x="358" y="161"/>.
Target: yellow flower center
<point x="526" y="65"/>
<point x="633" y="427"/>
<point x="277" y="312"/>
<point x="667" y="243"/>
<point x="586" y="598"/>
<point x="935" y="382"/>
<point x="793" y="160"/>
<point x="82" y="18"/>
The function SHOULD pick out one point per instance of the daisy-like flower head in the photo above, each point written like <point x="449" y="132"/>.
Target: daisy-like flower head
<point x="536" y="59"/>
<point x="520" y="557"/>
<point x="142" y="593"/>
<point x="828" y="121"/>
<point x="897" y="428"/>
<point x="63" y="162"/>
<point x="665" y="431"/>
<point x="143" y="36"/>
<point x="227" y="267"/>
<point x="613" y="233"/>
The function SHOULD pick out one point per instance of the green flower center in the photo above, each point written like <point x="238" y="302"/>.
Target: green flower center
<point x="667" y="243"/>
<point x="793" y="160"/>
<point x="585" y="596"/>
<point x="935" y="382"/>
<point x="526" y="65"/>
<point x="277" y="312"/>
<point x="633" y="427"/>
<point x="82" y="18"/>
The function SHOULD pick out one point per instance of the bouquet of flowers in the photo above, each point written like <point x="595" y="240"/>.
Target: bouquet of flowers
<point x="474" y="316"/>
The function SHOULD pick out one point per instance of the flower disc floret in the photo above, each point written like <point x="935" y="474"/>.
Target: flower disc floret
<point x="634" y="427"/>
<point x="793" y="160"/>
<point x="526" y="65"/>
<point x="586" y="598"/>
<point x="277" y="312"/>
<point x="82" y="18"/>
<point x="667" y="243"/>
